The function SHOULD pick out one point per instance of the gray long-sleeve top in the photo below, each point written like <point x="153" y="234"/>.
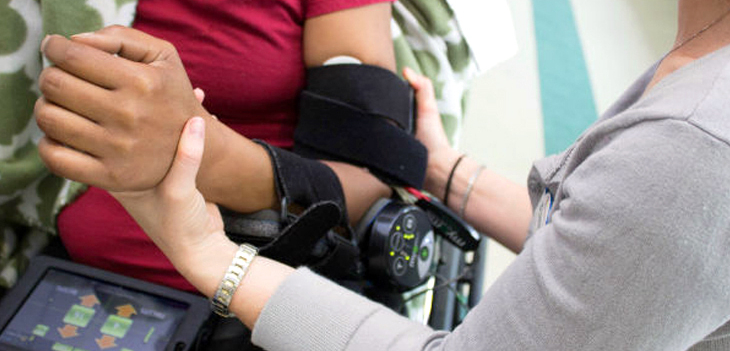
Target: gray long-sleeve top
<point x="633" y="254"/>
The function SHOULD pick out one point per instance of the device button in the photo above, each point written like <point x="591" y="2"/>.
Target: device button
<point x="424" y="253"/>
<point x="399" y="266"/>
<point x="409" y="222"/>
<point x="396" y="241"/>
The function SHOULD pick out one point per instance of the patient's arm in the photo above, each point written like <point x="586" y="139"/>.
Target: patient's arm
<point x="114" y="122"/>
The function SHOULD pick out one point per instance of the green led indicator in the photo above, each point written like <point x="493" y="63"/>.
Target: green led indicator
<point x="392" y="253"/>
<point x="397" y="228"/>
<point x="408" y="258"/>
<point x="424" y="253"/>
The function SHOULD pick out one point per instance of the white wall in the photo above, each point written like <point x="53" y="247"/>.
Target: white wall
<point x="503" y="127"/>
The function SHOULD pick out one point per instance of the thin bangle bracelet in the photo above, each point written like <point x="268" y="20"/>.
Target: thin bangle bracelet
<point x="451" y="177"/>
<point x="469" y="188"/>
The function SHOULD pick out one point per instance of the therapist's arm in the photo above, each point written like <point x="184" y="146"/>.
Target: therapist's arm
<point x="583" y="282"/>
<point x="496" y="206"/>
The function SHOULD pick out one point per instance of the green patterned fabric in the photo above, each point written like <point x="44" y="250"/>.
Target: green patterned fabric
<point x="31" y="197"/>
<point x="425" y="35"/>
<point x="427" y="38"/>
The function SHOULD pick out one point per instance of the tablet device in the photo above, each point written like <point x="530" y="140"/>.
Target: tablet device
<point x="59" y="305"/>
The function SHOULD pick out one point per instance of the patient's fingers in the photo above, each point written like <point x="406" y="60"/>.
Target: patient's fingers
<point x="70" y="129"/>
<point x="70" y="163"/>
<point x="75" y="94"/>
<point x="128" y="43"/>
<point x="86" y="62"/>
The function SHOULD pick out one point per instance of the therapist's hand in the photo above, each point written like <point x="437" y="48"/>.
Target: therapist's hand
<point x="174" y="214"/>
<point x="430" y="132"/>
<point x="113" y="107"/>
<point x="189" y="230"/>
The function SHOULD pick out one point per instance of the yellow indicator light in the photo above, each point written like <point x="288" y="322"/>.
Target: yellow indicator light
<point x="392" y="253"/>
<point x="408" y="258"/>
<point x="397" y="227"/>
<point x="409" y="236"/>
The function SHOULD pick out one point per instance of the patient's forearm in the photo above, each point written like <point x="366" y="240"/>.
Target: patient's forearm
<point x="237" y="173"/>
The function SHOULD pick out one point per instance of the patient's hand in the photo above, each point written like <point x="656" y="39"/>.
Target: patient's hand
<point x="113" y="121"/>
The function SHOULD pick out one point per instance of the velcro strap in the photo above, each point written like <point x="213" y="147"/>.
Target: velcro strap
<point x="296" y="242"/>
<point x="333" y="130"/>
<point x="374" y="90"/>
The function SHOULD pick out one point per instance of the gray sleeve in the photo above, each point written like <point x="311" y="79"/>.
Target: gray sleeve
<point x="635" y="258"/>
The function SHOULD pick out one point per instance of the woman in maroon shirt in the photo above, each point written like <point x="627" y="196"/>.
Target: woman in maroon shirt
<point x="250" y="59"/>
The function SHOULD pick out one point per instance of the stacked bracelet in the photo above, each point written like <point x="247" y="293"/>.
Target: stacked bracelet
<point x="451" y="178"/>
<point x="233" y="277"/>
<point x="469" y="187"/>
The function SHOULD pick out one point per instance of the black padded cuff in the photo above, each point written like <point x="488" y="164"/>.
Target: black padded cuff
<point x="303" y="181"/>
<point x="371" y="89"/>
<point x="333" y="130"/>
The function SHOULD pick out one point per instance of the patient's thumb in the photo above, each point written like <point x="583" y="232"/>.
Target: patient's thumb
<point x="184" y="169"/>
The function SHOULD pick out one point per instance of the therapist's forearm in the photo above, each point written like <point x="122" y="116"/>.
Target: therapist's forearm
<point x="205" y="268"/>
<point x="496" y="206"/>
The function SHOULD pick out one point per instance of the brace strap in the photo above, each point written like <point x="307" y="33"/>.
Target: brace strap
<point x="375" y="91"/>
<point x="334" y="130"/>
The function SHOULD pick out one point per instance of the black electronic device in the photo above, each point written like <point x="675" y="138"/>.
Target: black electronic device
<point x="63" y="306"/>
<point x="446" y="223"/>
<point x="399" y="242"/>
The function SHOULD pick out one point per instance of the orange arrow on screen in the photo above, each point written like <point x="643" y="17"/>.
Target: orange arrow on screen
<point x="106" y="342"/>
<point x="68" y="331"/>
<point x="126" y="311"/>
<point x="89" y="300"/>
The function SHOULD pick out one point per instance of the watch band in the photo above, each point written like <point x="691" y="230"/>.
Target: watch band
<point x="233" y="277"/>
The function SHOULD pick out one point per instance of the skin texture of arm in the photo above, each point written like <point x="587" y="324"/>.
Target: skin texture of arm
<point x="115" y="139"/>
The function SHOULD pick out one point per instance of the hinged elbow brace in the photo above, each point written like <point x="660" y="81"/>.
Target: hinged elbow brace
<point x="362" y="115"/>
<point x="312" y="204"/>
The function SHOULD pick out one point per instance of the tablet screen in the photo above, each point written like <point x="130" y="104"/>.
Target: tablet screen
<point x="69" y="312"/>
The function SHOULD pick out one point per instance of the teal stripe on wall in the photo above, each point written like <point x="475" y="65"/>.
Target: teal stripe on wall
<point x="567" y="98"/>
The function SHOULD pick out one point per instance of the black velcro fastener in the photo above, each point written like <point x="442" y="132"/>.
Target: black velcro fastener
<point x="333" y="130"/>
<point x="296" y="242"/>
<point x="374" y="90"/>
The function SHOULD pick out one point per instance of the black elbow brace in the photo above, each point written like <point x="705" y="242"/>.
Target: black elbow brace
<point x="312" y="207"/>
<point x="362" y="115"/>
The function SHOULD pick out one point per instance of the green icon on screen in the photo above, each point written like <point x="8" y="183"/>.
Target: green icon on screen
<point x="41" y="330"/>
<point x="116" y="326"/>
<point x="79" y="316"/>
<point x="62" y="347"/>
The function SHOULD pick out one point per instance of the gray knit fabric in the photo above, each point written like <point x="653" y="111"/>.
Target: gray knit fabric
<point x="634" y="254"/>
